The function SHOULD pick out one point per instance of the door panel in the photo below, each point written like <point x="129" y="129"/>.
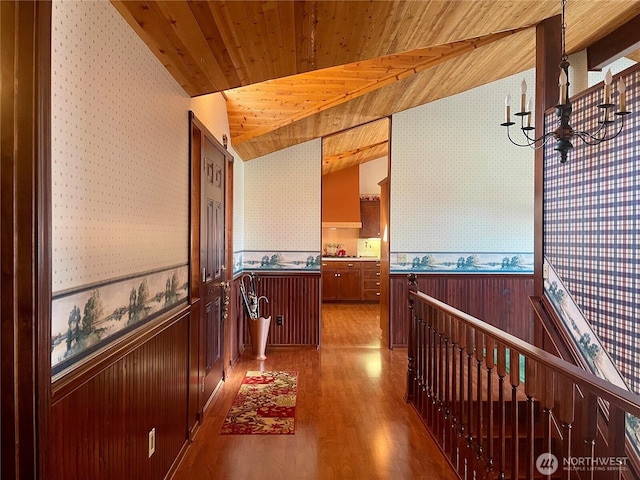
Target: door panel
<point x="213" y="254"/>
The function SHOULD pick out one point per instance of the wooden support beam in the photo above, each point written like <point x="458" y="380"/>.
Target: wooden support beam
<point x="548" y="53"/>
<point x="617" y="44"/>
<point x="25" y="241"/>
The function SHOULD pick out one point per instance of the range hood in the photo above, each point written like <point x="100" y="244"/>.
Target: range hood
<point x="341" y="199"/>
<point x="341" y="224"/>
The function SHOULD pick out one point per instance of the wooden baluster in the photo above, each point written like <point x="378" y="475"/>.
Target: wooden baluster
<point x="480" y="354"/>
<point x="446" y="431"/>
<point x="490" y="346"/>
<point x="514" y="379"/>
<point x="426" y="355"/>
<point x="470" y="423"/>
<point x="411" y="384"/>
<point x="418" y="356"/>
<point x="566" y="413"/>
<point x="435" y="391"/>
<point x="455" y="401"/>
<point x="462" y="420"/>
<point x="616" y="436"/>
<point x="547" y="389"/>
<point x="441" y="374"/>
<point x="590" y="420"/>
<point x="435" y="363"/>
<point x="428" y="404"/>
<point x="421" y="353"/>
<point x="531" y="391"/>
<point x="424" y="364"/>
<point x="501" y="368"/>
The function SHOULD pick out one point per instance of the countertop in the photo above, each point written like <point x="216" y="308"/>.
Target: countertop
<point x="350" y="259"/>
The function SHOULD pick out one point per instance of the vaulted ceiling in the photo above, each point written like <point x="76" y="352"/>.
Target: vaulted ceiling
<point x="292" y="71"/>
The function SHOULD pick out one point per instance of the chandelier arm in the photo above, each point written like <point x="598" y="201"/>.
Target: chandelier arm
<point x="531" y="142"/>
<point x="516" y="143"/>
<point x="528" y="144"/>
<point x="544" y="139"/>
<point x="586" y="137"/>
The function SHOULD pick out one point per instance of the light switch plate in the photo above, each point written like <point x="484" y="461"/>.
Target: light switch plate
<point x="152" y="441"/>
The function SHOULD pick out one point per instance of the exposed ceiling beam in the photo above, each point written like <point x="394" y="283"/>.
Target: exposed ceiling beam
<point x="617" y="44"/>
<point x="356" y="156"/>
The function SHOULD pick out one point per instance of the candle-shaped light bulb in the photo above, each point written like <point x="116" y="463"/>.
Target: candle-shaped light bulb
<point x="622" y="90"/>
<point x="607" y="86"/>
<point x="523" y="99"/>
<point x="563" y="86"/>
<point x="529" y="114"/>
<point x="507" y="103"/>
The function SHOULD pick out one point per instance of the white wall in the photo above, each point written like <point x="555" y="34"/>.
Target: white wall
<point x="371" y="173"/>
<point x="120" y="137"/>
<point x="457" y="184"/>
<point x="282" y="200"/>
<point x="119" y="151"/>
<point x="211" y="110"/>
<point x="616" y="67"/>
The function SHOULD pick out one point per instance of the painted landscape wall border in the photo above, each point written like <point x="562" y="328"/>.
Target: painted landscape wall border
<point x="90" y="318"/>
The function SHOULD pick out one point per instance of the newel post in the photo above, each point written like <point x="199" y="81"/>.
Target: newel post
<point x="411" y="350"/>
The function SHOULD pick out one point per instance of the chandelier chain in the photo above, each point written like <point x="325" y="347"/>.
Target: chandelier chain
<point x="564" y="32"/>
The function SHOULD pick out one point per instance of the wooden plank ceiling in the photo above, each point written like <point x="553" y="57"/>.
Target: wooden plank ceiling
<point x="292" y="71"/>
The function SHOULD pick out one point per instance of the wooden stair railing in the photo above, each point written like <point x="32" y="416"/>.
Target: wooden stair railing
<point x="500" y="408"/>
<point x="555" y="339"/>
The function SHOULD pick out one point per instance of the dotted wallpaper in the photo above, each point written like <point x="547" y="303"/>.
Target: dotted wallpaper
<point x="120" y="151"/>
<point x="212" y="111"/>
<point x="238" y="205"/>
<point x="457" y="183"/>
<point x="282" y="199"/>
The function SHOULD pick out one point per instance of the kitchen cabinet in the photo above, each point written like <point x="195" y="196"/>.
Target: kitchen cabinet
<point x="341" y="280"/>
<point x="370" y="216"/>
<point x="370" y="281"/>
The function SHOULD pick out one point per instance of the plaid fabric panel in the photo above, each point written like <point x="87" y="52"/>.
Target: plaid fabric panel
<point x="591" y="226"/>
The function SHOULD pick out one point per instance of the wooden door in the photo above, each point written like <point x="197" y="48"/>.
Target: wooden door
<point x="213" y="270"/>
<point x="210" y="225"/>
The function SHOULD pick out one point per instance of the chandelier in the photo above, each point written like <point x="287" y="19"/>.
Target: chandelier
<point x="564" y="133"/>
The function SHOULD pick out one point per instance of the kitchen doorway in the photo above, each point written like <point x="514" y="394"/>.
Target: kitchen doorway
<point x="355" y="217"/>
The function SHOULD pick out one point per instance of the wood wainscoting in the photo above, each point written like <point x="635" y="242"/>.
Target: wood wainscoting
<point x="500" y="300"/>
<point x="295" y="296"/>
<point x="100" y="422"/>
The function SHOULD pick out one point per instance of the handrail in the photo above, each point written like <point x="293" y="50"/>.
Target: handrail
<point x="612" y="393"/>
<point x="494" y="416"/>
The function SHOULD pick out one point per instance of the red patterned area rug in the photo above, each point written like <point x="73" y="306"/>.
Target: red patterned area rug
<point x="265" y="404"/>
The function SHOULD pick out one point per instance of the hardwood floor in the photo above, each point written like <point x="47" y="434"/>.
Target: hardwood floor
<point x="351" y="419"/>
